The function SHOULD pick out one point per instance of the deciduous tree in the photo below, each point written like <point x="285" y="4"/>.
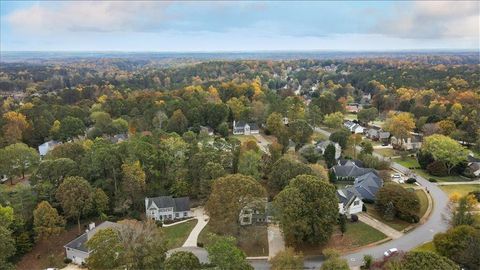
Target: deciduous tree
<point x="46" y="221"/>
<point x="287" y="259"/>
<point x="225" y="255"/>
<point x="445" y="150"/>
<point x="182" y="260"/>
<point x="333" y="120"/>
<point x="317" y="199"/>
<point x="17" y="159"/>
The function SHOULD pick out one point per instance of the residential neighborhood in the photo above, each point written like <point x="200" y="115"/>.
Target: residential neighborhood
<point x="239" y="135"/>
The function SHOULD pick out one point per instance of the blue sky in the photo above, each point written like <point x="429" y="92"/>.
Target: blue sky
<point x="238" y="26"/>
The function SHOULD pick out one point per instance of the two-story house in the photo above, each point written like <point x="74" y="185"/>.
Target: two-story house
<point x="244" y="128"/>
<point x="167" y="208"/>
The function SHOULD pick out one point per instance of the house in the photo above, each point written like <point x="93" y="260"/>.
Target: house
<point x="167" y="208"/>
<point x="257" y="212"/>
<point x="413" y="142"/>
<point x="77" y="250"/>
<point x="377" y="135"/>
<point x="353" y="107"/>
<point x="366" y="181"/>
<point x="353" y="127"/>
<point x="349" y="201"/>
<point x="118" y="138"/>
<point x="206" y="130"/>
<point x="46" y="147"/>
<point x="350" y="162"/>
<point x="350" y="171"/>
<point x="244" y="128"/>
<point x="473" y="165"/>
<point x="321" y="146"/>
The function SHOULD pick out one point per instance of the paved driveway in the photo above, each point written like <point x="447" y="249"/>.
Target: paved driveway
<point x="202" y="218"/>
<point x="275" y="240"/>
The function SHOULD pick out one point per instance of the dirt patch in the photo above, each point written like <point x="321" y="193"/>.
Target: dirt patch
<point x="49" y="253"/>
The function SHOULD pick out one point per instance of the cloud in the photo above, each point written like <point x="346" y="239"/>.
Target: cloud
<point x="433" y="19"/>
<point x="90" y="16"/>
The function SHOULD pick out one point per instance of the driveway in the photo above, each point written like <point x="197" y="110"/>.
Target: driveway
<point x="275" y="240"/>
<point x="199" y="214"/>
<point x="262" y="142"/>
<point x="385" y="229"/>
<point x="423" y="233"/>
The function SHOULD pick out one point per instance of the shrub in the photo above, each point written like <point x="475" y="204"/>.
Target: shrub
<point x="354" y="218"/>
<point x="432" y="180"/>
<point x="476" y="194"/>
<point x="364" y="208"/>
<point x="424" y="159"/>
<point x="67" y="260"/>
<point x="394" y="200"/>
<point x="411" y="180"/>
<point x="200" y="244"/>
<point x="437" y="168"/>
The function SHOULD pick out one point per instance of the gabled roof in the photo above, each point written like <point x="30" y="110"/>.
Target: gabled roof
<point x="471" y="158"/>
<point x="367" y="185"/>
<point x="350" y="170"/>
<point x="178" y="204"/>
<point x="80" y="243"/>
<point x="350" y="162"/>
<point x="242" y="124"/>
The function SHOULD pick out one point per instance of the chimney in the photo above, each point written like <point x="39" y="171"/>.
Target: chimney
<point x="233" y="123"/>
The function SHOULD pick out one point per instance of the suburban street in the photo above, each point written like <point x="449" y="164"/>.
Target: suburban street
<point x="421" y="234"/>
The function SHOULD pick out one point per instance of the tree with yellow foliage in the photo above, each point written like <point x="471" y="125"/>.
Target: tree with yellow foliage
<point x="400" y="125"/>
<point x="15" y="125"/>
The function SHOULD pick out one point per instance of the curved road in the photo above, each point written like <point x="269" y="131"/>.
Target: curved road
<point x="421" y="234"/>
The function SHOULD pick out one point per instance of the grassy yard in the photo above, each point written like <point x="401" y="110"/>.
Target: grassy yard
<point x="396" y="223"/>
<point x="358" y="234"/>
<point x="253" y="240"/>
<point x="408" y="162"/>
<point x="423" y="202"/>
<point x="426" y="247"/>
<point x="244" y="138"/>
<point x="462" y="189"/>
<point x="176" y="235"/>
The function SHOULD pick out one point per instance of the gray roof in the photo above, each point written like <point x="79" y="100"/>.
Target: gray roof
<point x="350" y="170"/>
<point x="471" y="158"/>
<point x="179" y="204"/>
<point x="241" y="125"/>
<point x="367" y="185"/>
<point x="384" y="135"/>
<point x="80" y="243"/>
<point x="349" y="162"/>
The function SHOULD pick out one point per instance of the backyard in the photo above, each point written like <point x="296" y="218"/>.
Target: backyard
<point x="177" y="234"/>
<point x="253" y="240"/>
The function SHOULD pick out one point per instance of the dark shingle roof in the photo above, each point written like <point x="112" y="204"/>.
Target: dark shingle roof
<point x="179" y="204"/>
<point x="80" y="243"/>
<point x="367" y="185"/>
<point x="350" y="170"/>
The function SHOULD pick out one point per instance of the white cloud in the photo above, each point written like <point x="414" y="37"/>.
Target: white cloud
<point x="91" y="16"/>
<point x="433" y="19"/>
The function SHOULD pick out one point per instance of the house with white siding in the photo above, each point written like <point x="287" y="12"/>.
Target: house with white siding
<point x="244" y="128"/>
<point x="167" y="208"/>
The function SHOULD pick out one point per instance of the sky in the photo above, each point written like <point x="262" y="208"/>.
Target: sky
<point x="165" y="26"/>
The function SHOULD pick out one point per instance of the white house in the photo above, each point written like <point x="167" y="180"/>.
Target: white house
<point x="243" y="128"/>
<point x="349" y="202"/>
<point x="413" y="142"/>
<point x="167" y="208"/>
<point x="321" y="146"/>
<point x="45" y="147"/>
<point x="354" y="127"/>
<point x="76" y="250"/>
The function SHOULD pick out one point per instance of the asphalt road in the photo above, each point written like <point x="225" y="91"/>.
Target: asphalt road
<point x="421" y="234"/>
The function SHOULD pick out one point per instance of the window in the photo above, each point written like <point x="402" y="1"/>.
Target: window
<point x="177" y="215"/>
<point x="356" y="203"/>
<point x="169" y="216"/>
<point x="185" y="214"/>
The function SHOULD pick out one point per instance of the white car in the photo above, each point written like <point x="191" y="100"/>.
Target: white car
<point x="390" y="252"/>
<point x="396" y="175"/>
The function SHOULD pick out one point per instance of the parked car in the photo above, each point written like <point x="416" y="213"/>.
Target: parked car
<point x="3" y="179"/>
<point x="390" y="252"/>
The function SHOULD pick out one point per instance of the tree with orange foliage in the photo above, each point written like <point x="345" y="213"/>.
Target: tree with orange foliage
<point x="400" y="125"/>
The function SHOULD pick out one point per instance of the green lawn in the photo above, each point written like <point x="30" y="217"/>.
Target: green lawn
<point x="462" y="189"/>
<point x="253" y="240"/>
<point x="361" y="234"/>
<point x="423" y="202"/>
<point x="176" y="235"/>
<point x="386" y="152"/>
<point x="396" y="223"/>
<point x="358" y="234"/>
<point x="409" y="162"/>
<point x="429" y="246"/>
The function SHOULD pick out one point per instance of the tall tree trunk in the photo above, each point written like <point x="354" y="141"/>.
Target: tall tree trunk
<point x="78" y="223"/>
